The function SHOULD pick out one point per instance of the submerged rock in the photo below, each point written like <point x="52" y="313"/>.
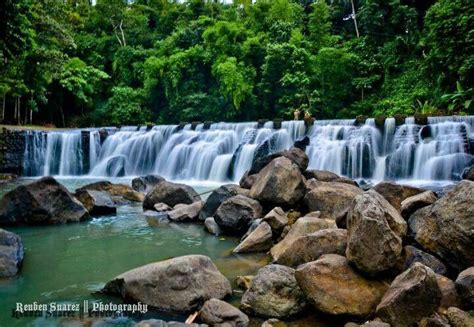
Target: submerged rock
<point x="446" y="228"/>
<point x="260" y="240"/>
<point x="171" y="194"/>
<point x="375" y="231"/>
<point x="221" y="314"/>
<point x="218" y="196"/>
<point x="395" y="193"/>
<point x="274" y="293"/>
<point x="303" y="226"/>
<point x="330" y="198"/>
<point x="280" y="183"/>
<point x="44" y="201"/>
<point x="120" y="190"/>
<point x="180" y="284"/>
<point x="413" y="203"/>
<point x="11" y="253"/>
<point x="332" y="286"/>
<point x="412" y="295"/>
<point x="465" y="287"/>
<point x="236" y="213"/>
<point x="211" y="226"/>
<point x="186" y="212"/>
<point x="146" y="183"/>
<point x="96" y="202"/>
<point x="310" y="247"/>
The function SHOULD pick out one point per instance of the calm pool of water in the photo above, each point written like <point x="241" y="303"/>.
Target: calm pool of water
<point x="68" y="263"/>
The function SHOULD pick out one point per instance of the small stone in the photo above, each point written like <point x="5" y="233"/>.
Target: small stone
<point x="211" y="226"/>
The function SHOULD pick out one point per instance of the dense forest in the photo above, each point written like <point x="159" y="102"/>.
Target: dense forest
<point x="112" y="62"/>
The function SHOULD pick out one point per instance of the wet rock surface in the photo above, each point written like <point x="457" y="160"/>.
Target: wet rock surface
<point x="171" y="194"/>
<point x="11" y="253"/>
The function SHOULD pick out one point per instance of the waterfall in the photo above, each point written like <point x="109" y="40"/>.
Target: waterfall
<point x="222" y="152"/>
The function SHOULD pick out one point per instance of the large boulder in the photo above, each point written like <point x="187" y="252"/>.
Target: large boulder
<point x="411" y="254"/>
<point x="274" y="293"/>
<point x="332" y="286"/>
<point x="396" y="193"/>
<point x="146" y="183"/>
<point x="96" y="202"/>
<point x="277" y="219"/>
<point x="180" y="284"/>
<point x="260" y="240"/>
<point x="235" y="214"/>
<point x="221" y="314"/>
<point x="11" y="253"/>
<point x="185" y="212"/>
<point x="218" y="196"/>
<point x="44" y="201"/>
<point x="327" y="176"/>
<point x="412" y="295"/>
<point x="375" y="231"/>
<point x="446" y="228"/>
<point x="459" y="318"/>
<point x="449" y="294"/>
<point x="468" y="173"/>
<point x="303" y="226"/>
<point x="311" y="246"/>
<point x="465" y="287"/>
<point x="171" y="194"/>
<point x="280" y="183"/>
<point x="295" y="155"/>
<point x="413" y="203"/>
<point x="331" y="198"/>
<point x="117" y="190"/>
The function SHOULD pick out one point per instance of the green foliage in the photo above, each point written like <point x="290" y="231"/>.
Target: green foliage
<point x="130" y="62"/>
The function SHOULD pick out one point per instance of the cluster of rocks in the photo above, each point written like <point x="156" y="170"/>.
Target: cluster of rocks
<point x="388" y="255"/>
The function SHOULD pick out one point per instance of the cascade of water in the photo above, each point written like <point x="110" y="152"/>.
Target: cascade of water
<point x="437" y="151"/>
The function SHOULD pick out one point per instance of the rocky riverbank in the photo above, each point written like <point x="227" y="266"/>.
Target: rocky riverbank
<point x="390" y="254"/>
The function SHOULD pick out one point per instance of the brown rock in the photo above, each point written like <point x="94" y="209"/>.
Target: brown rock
<point x="260" y="240"/>
<point x="221" y="314"/>
<point x="446" y="228"/>
<point x="331" y="198"/>
<point x="186" y="212"/>
<point x="277" y="219"/>
<point x="334" y="287"/>
<point x="459" y="318"/>
<point x="396" y="193"/>
<point x="310" y="247"/>
<point x="411" y="254"/>
<point x="449" y="294"/>
<point x="374" y="230"/>
<point x="235" y="214"/>
<point x="413" y="203"/>
<point x="465" y="287"/>
<point x="412" y="295"/>
<point x="303" y="226"/>
<point x="280" y="183"/>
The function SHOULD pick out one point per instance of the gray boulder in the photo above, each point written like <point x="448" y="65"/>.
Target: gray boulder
<point x="44" y="201"/>
<point x="310" y="247"/>
<point x="211" y="226"/>
<point x="235" y="214"/>
<point x="446" y="228"/>
<point x="260" y="240"/>
<point x="274" y="293"/>
<point x="146" y="183"/>
<point x="96" y="202"/>
<point x="332" y="286"/>
<point x="395" y="193"/>
<point x="218" y="313"/>
<point x="465" y="287"/>
<point x="218" y="196"/>
<point x="331" y="198"/>
<point x="375" y="230"/>
<point x="449" y="294"/>
<point x="171" y="194"/>
<point x="295" y="155"/>
<point x="412" y="295"/>
<point x="185" y="212"/>
<point x="411" y="254"/>
<point x="303" y="226"/>
<point x="280" y="183"/>
<point x="180" y="284"/>
<point x="413" y="203"/>
<point x="11" y="253"/>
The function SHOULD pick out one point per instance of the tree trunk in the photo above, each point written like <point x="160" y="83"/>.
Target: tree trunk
<point x="3" y="106"/>
<point x="354" y="18"/>
<point x="19" y="111"/>
<point x="62" y="113"/>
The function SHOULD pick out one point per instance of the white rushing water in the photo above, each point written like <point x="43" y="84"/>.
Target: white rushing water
<point x="223" y="152"/>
